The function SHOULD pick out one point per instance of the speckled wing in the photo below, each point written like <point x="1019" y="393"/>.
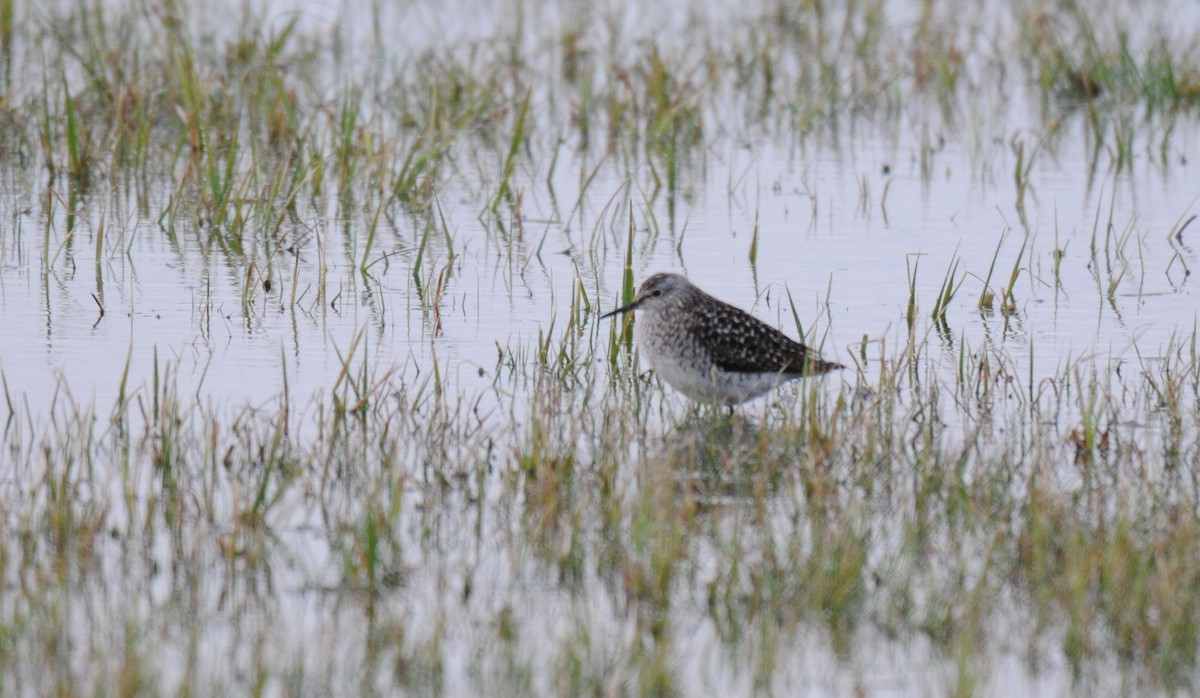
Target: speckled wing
<point x="738" y="341"/>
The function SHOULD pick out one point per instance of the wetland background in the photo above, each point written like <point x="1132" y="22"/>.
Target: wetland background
<point x="304" y="391"/>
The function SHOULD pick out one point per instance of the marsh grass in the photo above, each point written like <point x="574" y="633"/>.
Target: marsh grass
<point x="572" y="526"/>
<point x="855" y="507"/>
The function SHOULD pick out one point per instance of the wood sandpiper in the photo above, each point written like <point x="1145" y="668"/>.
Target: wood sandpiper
<point x="710" y="350"/>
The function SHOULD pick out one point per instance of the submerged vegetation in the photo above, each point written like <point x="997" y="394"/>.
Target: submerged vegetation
<point x="536" y="516"/>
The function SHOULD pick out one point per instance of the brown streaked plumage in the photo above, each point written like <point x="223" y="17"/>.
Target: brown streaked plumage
<point x="712" y="351"/>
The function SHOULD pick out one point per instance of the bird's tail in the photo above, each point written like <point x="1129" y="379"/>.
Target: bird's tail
<point x="814" y="365"/>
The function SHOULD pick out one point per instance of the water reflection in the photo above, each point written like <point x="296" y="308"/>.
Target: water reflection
<point x="328" y="368"/>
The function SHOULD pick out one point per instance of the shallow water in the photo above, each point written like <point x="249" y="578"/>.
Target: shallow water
<point x="844" y="257"/>
<point x="848" y="218"/>
<point x="838" y="223"/>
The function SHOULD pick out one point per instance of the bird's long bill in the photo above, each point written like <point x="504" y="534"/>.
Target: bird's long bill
<point x="622" y="309"/>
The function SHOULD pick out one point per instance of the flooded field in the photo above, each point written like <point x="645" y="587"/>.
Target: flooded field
<point x="305" y="389"/>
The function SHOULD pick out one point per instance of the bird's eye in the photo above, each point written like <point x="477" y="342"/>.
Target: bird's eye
<point x="656" y="292"/>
